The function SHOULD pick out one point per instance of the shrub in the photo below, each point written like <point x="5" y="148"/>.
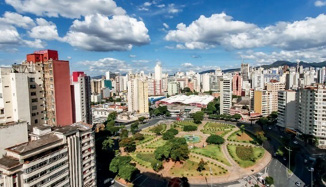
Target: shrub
<point x="139" y="136"/>
<point x="157" y="165"/>
<point x="215" y="139"/>
<point x="168" y="135"/>
<point x="174" y="131"/>
<point x="245" y="153"/>
<point x="189" y="128"/>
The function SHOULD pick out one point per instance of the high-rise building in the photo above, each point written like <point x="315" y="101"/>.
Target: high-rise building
<point x="62" y="157"/>
<point x="158" y="72"/>
<point x="52" y="76"/>
<point x="107" y="75"/>
<point x="261" y="102"/>
<point x="205" y="82"/>
<point x="138" y="96"/>
<point x="273" y="87"/>
<point x="236" y="84"/>
<point x="173" y="88"/>
<point x="81" y="97"/>
<point x="245" y="71"/>
<point x="287" y="109"/>
<point x="225" y="95"/>
<point x="311" y="113"/>
<point x="321" y="75"/>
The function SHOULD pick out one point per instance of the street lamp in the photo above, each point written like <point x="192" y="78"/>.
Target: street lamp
<point x="210" y="171"/>
<point x="312" y="176"/>
<point x="289" y="149"/>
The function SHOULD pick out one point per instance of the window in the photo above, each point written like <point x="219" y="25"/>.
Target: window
<point x="36" y="121"/>
<point x="32" y="86"/>
<point x="33" y="93"/>
<point x="31" y="79"/>
<point x="34" y="100"/>
<point x="34" y="107"/>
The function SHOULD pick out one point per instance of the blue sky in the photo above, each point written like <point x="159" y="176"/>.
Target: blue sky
<point x="122" y="35"/>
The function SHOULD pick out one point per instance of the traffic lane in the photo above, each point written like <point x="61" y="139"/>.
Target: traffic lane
<point x="235" y="183"/>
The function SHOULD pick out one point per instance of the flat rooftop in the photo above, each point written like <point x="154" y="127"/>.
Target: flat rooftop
<point x="8" y="162"/>
<point x="191" y="99"/>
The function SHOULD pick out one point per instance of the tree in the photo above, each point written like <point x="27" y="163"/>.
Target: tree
<point x="273" y="117"/>
<point x="107" y="143"/>
<point x="168" y="135"/>
<point x="201" y="165"/>
<point x="111" y="128"/>
<point x="280" y="152"/>
<point x="175" y="149"/>
<point x="112" y="116"/>
<point x="261" y="136"/>
<point x="215" y="139"/>
<point x="174" y="131"/>
<point x="168" y="114"/>
<point x="189" y="128"/>
<point x="262" y="121"/>
<point x="236" y="117"/>
<point x="124" y="133"/>
<point x="119" y="161"/>
<point x="198" y="117"/>
<point x="141" y="119"/>
<point x="242" y="129"/>
<point x="211" y="109"/>
<point x="139" y="136"/>
<point x="110" y="99"/>
<point x="157" y="112"/>
<point x="157" y="165"/>
<point x="128" y="144"/>
<point x="134" y="127"/>
<point x="269" y="180"/>
<point x="127" y="171"/>
<point x="186" y="90"/>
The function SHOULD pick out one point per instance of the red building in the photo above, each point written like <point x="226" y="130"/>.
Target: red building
<point x="56" y="84"/>
<point x="236" y="84"/>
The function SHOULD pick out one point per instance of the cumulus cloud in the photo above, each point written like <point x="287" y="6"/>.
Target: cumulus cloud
<point x="105" y="64"/>
<point x="320" y="3"/>
<point x="187" y="65"/>
<point x="222" y="30"/>
<point x="68" y="9"/>
<point x="132" y="56"/>
<point x="100" y="33"/>
<point x="18" y="20"/>
<point x="44" y="30"/>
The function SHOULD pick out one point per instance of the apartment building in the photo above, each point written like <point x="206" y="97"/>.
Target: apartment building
<point x="287" y="109"/>
<point x="225" y="95"/>
<point x="173" y="88"/>
<point x="64" y="156"/>
<point x="138" y="96"/>
<point x="55" y="77"/>
<point x="237" y="84"/>
<point x="245" y="71"/>
<point x="312" y="112"/>
<point x="81" y="97"/>
<point x="261" y="102"/>
<point x="273" y="87"/>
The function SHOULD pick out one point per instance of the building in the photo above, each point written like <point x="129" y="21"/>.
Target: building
<point x="236" y="85"/>
<point x="205" y="82"/>
<point x="173" y="88"/>
<point x="12" y="134"/>
<point x="225" y="95"/>
<point x="261" y="102"/>
<point x="138" y="96"/>
<point x="81" y="97"/>
<point x="311" y="113"/>
<point x="62" y="157"/>
<point x="55" y="86"/>
<point x="245" y="72"/>
<point x="287" y="109"/>
<point x="273" y="87"/>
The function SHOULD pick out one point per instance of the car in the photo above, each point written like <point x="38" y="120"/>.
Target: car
<point x="305" y="160"/>
<point x="284" y="158"/>
<point x="269" y="128"/>
<point x="295" y="142"/>
<point x="298" y="183"/>
<point x="109" y="181"/>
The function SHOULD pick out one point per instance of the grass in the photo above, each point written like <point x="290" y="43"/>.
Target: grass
<point x="146" y="139"/>
<point x="245" y="137"/>
<point x="156" y="144"/>
<point x="212" y="151"/>
<point x="258" y="153"/>
<point x="184" y="123"/>
<point x="161" y="127"/>
<point x="143" y="159"/>
<point x="189" y="169"/>
<point x="220" y="129"/>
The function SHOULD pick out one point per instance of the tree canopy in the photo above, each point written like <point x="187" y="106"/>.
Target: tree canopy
<point x="198" y="117"/>
<point x="128" y="144"/>
<point x="122" y="166"/>
<point x="215" y="139"/>
<point x="175" y="149"/>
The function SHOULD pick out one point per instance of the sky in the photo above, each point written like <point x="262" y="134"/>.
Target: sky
<point x="123" y="35"/>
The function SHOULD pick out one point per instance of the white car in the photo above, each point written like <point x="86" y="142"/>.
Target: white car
<point x="298" y="183"/>
<point x="295" y="142"/>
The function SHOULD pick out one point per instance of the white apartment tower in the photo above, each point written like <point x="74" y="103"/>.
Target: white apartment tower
<point x="287" y="109"/>
<point x="173" y="88"/>
<point x="311" y="113"/>
<point x="82" y="97"/>
<point x="225" y="95"/>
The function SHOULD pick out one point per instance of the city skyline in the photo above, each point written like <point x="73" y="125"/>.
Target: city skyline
<point x="198" y="36"/>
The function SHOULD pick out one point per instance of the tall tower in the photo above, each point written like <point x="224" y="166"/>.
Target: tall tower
<point x="158" y="72"/>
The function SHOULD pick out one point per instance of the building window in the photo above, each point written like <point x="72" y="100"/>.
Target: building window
<point x="36" y="121"/>
<point x="33" y="93"/>
<point x="31" y="79"/>
<point x="32" y="86"/>
<point x="34" y="107"/>
<point x="34" y="100"/>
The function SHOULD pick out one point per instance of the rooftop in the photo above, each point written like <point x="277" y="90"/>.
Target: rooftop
<point x="192" y="99"/>
<point x="8" y="162"/>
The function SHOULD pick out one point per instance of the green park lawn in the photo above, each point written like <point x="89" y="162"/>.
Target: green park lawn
<point x="189" y="168"/>
<point x="161" y="127"/>
<point x="241" y="137"/>
<point x="257" y="153"/>
<point x="143" y="159"/>
<point x="217" y="128"/>
<point x="212" y="151"/>
<point x="184" y="123"/>
<point x="156" y="143"/>
<point x="147" y="138"/>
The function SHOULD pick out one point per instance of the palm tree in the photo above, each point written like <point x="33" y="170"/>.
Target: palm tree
<point x="107" y="143"/>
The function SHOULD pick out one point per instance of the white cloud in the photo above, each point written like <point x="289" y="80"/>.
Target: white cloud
<point x="64" y="8"/>
<point x="320" y="3"/>
<point x="10" y="38"/>
<point x="173" y="9"/>
<point x="147" y="4"/>
<point x="18" y="20"/>
<point x="102" y="65"/>
<point x="166" y="26"/>
<point x="222" y="30"/>
<point x="140" y="61"/>
<point x="187" y="65"/>
<point x="44" y="30"/>
<point x="99" y="33"/>
<point x="160" y="5"/>
<point x="132" y="56"/>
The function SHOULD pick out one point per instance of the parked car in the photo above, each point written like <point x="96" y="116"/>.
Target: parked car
<point x="295" y="142"/>
<point x="298" y="183"/>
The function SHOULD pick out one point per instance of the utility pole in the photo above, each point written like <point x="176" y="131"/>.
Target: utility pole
<point x="289" y="149"/>
<point x="210" y="171"/>
<point x="312" y="176"/>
